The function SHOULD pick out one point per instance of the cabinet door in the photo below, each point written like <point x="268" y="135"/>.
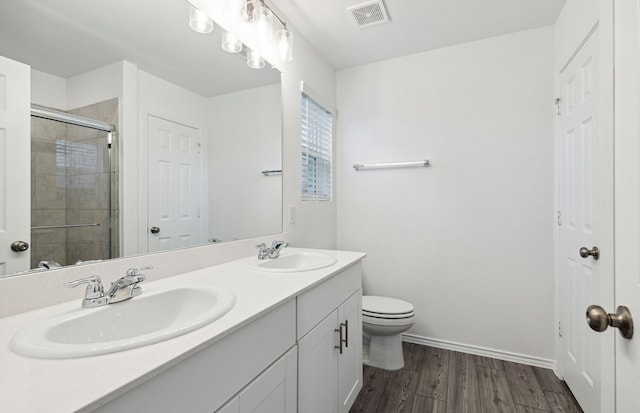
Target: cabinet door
<point x="272" y="391"/>
<point x="318" y="368"/>
<point x="350" y="361"/>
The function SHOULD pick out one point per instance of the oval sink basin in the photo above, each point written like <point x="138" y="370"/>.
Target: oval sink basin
<point x="146" y="319"/>
<point x="295" y="261"/>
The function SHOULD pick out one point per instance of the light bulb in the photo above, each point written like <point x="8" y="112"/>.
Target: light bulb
<point x="254" y="60"/>
<point x="263" y="22"/>
<point x="285" y="44"/>
<point x="199" y="22"/>
<point x="230" y="43"/>
<point x="237" y="9"/>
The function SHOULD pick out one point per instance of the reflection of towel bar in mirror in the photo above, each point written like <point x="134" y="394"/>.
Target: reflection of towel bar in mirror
<point x="412" y="164"/>
<point x="272" y="172"/>
<point x="67" y="226"/>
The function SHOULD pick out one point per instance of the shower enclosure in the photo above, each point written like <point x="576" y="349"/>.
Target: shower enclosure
<point x="74" y="185"/>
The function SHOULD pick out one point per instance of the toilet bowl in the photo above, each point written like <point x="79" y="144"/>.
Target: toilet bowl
<point x="383" y="320"/>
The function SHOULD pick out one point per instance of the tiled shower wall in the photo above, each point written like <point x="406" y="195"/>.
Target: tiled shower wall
<point x="70" y="185"/>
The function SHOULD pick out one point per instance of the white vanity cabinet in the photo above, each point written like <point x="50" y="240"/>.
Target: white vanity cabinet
<point x="287" y="360"/>
<point x="205" y="381"/>
<point x="330" y="344"/>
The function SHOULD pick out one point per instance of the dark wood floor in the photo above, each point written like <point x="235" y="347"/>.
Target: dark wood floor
<point x="443" y="381"/>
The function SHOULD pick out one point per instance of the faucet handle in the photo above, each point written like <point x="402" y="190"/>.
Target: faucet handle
<point x="132" y="272"/>
<point x="263" y="251"/>
<point x="94" y="287"/>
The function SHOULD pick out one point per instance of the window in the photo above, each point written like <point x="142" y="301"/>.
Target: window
<point x="317" y="133"/>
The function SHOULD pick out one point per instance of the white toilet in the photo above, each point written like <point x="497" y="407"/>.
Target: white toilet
<point x="383" y="320"/>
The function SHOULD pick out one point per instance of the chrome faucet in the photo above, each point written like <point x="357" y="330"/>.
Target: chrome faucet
<point x="127" y="286"/>
<point x="276" y="247"/>
<point x="122" y="289"/>
<point x="94" y="294"/>
<point x="265" y="252"/>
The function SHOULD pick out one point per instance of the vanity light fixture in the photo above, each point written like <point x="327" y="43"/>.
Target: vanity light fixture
<point x="230" y="43"/>
<point x="199" y="22"/>
<point x="285" y="44"/>
<point x="262" y="21"/>
<point x="259" y="17"/>
<point x="262" y="18"/>
<point x="254" y="60"/>
<point x="237" y="9"/>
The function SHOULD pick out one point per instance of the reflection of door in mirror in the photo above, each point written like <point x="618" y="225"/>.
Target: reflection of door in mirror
<point x="175" y="180"/>
<point x="14" y="176"/>
<point x="73" y="180"/>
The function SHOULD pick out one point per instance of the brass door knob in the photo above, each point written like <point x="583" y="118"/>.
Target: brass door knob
<point x="599" y="320"/>
<point x="593" y="252"/>
<point x="19" y="246"/>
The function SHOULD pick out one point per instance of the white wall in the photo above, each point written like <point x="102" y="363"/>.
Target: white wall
<point x="244" y="138"/>
<point x="82" y="90"/>
<point x="95" y="86"/>
<point x="468" y="241"/>
<point x="48" y="90"/>
<point x="315" y="221"/>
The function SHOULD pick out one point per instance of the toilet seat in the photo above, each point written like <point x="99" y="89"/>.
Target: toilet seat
<point x="385" y="308"/>
<point x="391" y="322"/>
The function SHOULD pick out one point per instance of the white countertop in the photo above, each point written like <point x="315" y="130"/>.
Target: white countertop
<point x="83" y="384"/>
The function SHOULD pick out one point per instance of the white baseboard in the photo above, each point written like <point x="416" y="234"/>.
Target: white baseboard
<point x="481" y="351"/>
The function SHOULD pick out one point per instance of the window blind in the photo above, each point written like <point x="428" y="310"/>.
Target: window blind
<point x="317" y="134"/>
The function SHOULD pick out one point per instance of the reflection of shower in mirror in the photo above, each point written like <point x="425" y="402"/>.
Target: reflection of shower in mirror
<point x="72" y="208"/>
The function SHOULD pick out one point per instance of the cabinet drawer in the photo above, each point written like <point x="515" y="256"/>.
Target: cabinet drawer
<point x="317" y="303"/>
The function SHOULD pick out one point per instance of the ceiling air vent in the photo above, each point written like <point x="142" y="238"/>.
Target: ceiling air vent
<point x="368" y="14"/>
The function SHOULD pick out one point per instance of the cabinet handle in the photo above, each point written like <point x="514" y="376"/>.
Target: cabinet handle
<point x="346" y="333"/>
<point x="344" y="340"/>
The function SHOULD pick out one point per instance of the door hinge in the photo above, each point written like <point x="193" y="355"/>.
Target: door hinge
<point x="559" y="329"/>
<point x="199" y="147"/>
<point x="559" y="218"/>
<point x="557" y="102"/>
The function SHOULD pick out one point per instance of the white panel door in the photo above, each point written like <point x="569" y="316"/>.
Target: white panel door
<point x="318" y="368"/>
<point x="15" y="161"/>
<point x="627" y="200"/>
<point x="350" y="361"/>
<point x="174" y="185"/>
<point x="579" y="219"/>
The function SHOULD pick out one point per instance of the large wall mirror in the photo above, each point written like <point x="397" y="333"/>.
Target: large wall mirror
<point x="194" y="155"/>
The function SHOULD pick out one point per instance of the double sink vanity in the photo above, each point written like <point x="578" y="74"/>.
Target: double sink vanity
<point x="271" y="335"/>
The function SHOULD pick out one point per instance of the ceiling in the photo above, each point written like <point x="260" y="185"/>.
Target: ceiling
<point x="415" y="25"/>
<point x="69" y="37"/>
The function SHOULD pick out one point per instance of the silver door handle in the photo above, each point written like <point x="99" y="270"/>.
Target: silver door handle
<point x="19" y="246"/>
<point x="593" y="252"/>
<point x="599" y="320"/>
<point x="155" y="230"/>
